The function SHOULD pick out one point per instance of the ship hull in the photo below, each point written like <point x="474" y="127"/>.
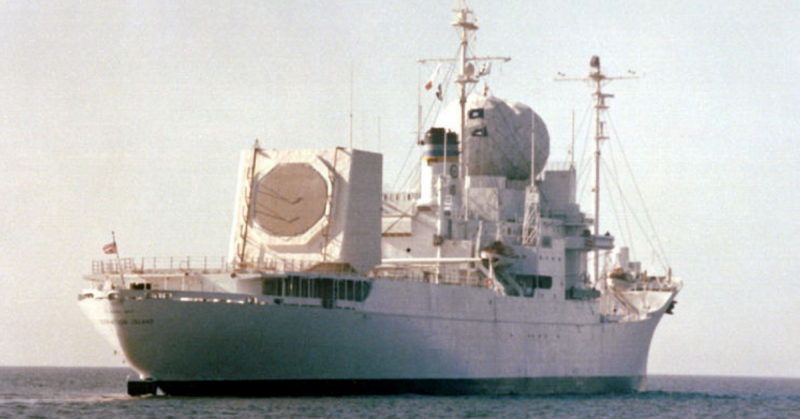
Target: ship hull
<point x="405" y="338"/>
<point x="441" y="387"/>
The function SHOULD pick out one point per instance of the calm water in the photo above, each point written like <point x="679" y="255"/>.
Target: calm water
<point x="100" y="393"/>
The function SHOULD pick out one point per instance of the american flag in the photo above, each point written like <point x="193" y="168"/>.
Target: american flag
<point x="110" y="248"/>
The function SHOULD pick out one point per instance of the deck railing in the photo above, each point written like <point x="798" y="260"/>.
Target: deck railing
<point x="160" y="264"/>
<point x="206" y="264"/>
<point x="210" y="264"/>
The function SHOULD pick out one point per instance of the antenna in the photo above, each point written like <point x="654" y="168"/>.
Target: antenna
<point x="572" y="147"/>
<point x="351" y="106"/>
<point x="598" y="79"/>
<point x="419" y="105"/>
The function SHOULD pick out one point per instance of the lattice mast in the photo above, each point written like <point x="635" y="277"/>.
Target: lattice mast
<point x="241" y="262"/>
<point x="531" y="225"/>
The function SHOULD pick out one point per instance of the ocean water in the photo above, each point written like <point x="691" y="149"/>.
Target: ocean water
<point x="31" y="392"/>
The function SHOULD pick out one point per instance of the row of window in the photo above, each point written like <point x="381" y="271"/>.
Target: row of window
<point x="536" y="281"/>
<point x="530" y="283"/>
<point x="311" y="287"/>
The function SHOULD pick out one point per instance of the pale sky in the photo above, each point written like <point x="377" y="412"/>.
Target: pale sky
<point x="129" y="116"/>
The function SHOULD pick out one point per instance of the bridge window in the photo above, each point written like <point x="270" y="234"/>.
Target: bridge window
<point x="323" y="288"/>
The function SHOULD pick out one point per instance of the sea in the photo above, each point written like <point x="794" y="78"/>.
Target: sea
<point x="45" y="392"/>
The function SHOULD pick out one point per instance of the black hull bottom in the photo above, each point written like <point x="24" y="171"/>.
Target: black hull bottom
<point x="502" y="386"/>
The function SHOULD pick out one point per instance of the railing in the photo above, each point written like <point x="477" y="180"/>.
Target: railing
<point x="428" y="275"/>
<point x="558" y="165"/>
<point x="212" y="264"/>
<point x="160" y="264"/>
<point x="205" y="264"/>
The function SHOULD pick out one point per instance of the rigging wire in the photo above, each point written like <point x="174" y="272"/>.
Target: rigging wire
<point x="402" y="167"/>
<point x="585" y="125"/>
<point x="413" y="178"/>
<point x="626" y="229"/>
<point x="627" y="207"/>
<point x="620" y="215"/>
<point x="661" y="258"/>
<point x="660" y="247"/>
<point x="585" y="161"/>
<point x="615" y="176"/>
<point x="434" y="109"/>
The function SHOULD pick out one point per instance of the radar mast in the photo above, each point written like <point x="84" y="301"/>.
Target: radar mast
<point x="598" y="80"/>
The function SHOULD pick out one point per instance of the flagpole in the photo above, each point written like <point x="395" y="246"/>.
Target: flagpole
<point x="119" y="262"/>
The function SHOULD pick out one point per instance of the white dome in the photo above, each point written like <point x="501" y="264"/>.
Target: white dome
<point x="498" y="136"/>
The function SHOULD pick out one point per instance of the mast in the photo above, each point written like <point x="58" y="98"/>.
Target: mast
<point x="598" y="79"/>
<point x="464" y="22"/>
<point x="459" y="203"/>
<point x="572" y="147"/>
<point x="596" y="76"/>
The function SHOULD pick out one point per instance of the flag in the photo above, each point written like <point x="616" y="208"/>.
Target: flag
<point x="110" y="249"/>
<point x="486" y="69"/>
<point x="432" y="80"/>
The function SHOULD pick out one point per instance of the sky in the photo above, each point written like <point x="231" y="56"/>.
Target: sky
<point x="130" y="116"/>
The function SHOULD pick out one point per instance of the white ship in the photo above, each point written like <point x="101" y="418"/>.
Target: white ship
<point x="486" y="279"/>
